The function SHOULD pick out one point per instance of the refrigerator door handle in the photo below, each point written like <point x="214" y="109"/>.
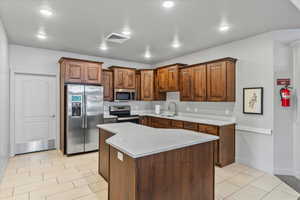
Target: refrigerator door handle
<point x="83" y="111"/>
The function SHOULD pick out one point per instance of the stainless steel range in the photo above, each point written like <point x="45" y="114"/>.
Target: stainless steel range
<point x="123" y="113"/>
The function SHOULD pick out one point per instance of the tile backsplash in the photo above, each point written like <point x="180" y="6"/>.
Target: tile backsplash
<point x="211" y="108"/>
<point x="206" y="108"/>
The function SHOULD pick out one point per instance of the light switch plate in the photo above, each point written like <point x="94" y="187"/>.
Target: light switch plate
<point x="120" y="156"/>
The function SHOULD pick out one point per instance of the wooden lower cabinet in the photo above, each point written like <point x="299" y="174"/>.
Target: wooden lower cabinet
<point x="160" y="122"/>
<point x="181" y="174"/>
<point x="224" y="148"/>
<point x="103" y="167"/>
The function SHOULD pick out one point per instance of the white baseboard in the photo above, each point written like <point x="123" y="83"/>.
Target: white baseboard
<point x="287" y="172"/>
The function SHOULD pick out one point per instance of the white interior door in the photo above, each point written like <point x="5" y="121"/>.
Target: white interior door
<point x="35" y="113"/>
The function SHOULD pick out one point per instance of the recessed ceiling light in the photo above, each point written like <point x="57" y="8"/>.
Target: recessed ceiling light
<point x="147" y="54"/>
<point x="176" y="45"/>
<point x="46" y="12"/>
<point x="103" y="47"/>
<point x="126" y="32"/>
<point x="41" y="36"/>
<point x="168" y="4"/>
<point x="224" y="28"/>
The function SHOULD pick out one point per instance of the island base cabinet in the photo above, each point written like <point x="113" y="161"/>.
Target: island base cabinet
<point x="186" y="173"/>
<point x="104" y="154"/>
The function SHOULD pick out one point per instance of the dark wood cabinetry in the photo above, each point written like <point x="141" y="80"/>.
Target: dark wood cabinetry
<point x="181" y="174"/>
<point x="212" y="81"/>
<point x="158" y="96"/>
<point x="104" y="154"/>
<point x="168" y="77"/>
<point x="224" y="147"/>
<point x="138" y="85"/>
<point x="124" y="78"/>
<point x="221" y="80"/>
<point x="159" y="122"/>
<point x="80" y="71"/>
<point x="107" y="81"/>
<point x="199" y="83"/>
<point x="147" y="85"/>
<point x="186" y="84"/>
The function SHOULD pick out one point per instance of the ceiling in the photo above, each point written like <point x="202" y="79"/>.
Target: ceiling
<point x="80" y="25"/>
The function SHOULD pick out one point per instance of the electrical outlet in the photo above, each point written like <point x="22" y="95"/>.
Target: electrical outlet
<point x="188" y="109"/>
<point x="227" y="112"/>
<point x="120" y="156"/>
<point x="196" y="110"/>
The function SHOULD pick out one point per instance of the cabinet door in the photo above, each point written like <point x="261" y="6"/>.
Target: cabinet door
<point x="129" y="79"/>
<point x="186" y="86"/>
<point x="147" y="85"/>
<point x="74" y="72"/>
<point x="173" y="78"/>
<point x="158" y="96"/>
<point x="104" y="154"/>
<point x="119" y="78"/>
<point x="216" y="81"/>
<point x="138" y="87"/>
<point x="93" y="73"/>
<point x="107" y="81"/>
<point x="199" y="83"/>
<point x="163" y="79"/>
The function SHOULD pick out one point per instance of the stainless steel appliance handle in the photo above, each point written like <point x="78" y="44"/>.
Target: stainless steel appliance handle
<point x="85" y="114"/>
<point x="83" y="111"/>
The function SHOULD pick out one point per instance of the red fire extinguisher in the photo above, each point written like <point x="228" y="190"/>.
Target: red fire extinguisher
<point x="285" y="95"/>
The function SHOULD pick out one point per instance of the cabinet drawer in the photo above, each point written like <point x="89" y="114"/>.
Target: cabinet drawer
<point x="160" y="122"/>
<point x="190" y="126"/>
<point x="176" y="124"/>
<point x="208" y="129"/>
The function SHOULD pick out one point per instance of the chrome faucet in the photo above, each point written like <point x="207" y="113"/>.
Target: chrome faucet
<point x="174" y="107"/>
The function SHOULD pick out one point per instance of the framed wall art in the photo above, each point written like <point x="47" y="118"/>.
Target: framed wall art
<point x="253" y="100"/>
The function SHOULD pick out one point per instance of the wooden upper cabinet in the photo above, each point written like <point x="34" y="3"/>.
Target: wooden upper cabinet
<point x="93" y="73"/>
<point x="168" y="77"/>
<point x="80" y="71"/>
<point x="186" y="85"/>
<point x="162" y="79"/>
<point x="216" y="81"/>
<point x="138" y="86"/>
<point x="74" y="72"/>
<point x="107" y="81"/>
<point x="173" y="78"/>
<point x="124" y="78"/>
<point x="130" y="79"/>
<point x="158" y="96"/>
<point x="147" y="85"/>
<point x="199" y="83"/>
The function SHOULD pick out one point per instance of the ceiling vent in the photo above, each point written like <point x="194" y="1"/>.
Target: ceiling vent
<point x="117" y="38"/>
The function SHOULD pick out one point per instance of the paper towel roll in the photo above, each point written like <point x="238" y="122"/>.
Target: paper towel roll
<point x="157" y="109"/>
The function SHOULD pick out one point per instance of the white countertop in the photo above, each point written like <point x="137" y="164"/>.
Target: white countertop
<point x="195" y="118"/>
<point x="138" y="141"/>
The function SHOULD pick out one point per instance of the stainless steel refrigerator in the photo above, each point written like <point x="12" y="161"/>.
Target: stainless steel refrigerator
<point x="85" y="110"/>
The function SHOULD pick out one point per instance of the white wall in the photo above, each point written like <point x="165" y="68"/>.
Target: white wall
<point x="42" y="61"/>
<point x="283" y="117"/>
<point x="4" y="100"/>
<point x="254" y="69"/>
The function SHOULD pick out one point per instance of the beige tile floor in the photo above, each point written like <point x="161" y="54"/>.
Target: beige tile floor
<point x="52" y="176"/>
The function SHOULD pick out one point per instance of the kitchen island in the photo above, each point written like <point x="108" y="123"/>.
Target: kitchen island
<point x="145" y="163"/>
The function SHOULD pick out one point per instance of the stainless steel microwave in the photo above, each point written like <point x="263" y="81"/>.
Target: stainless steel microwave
<point x="124" y="95"/>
